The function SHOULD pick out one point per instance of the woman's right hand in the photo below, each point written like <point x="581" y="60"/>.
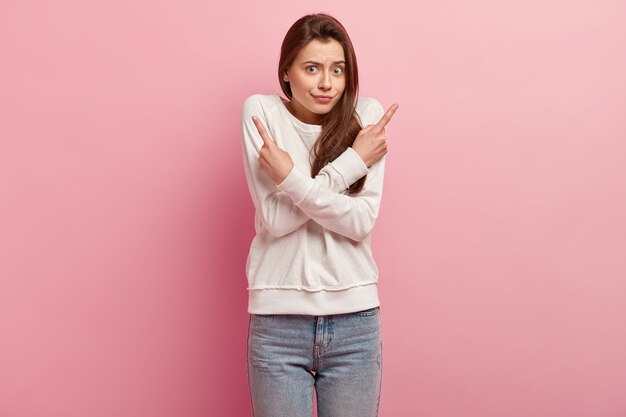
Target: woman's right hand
<point x="371" y="142"/>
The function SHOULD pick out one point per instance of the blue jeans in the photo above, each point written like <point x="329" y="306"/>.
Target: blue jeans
<point x="340" y="355"/>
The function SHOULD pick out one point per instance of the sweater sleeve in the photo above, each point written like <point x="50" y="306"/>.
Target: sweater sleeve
<point x="353" y="216"/>
<point x="277" y="211"/>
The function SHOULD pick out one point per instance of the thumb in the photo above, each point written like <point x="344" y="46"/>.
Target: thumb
<point x="367" y="128"/>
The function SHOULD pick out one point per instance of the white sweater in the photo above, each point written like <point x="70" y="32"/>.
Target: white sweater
<point x="312" y="250"/>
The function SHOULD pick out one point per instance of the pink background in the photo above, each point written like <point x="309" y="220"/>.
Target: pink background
<point x="126" y="221"/>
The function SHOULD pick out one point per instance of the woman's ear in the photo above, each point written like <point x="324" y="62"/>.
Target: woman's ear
<point x="285" y="77"/>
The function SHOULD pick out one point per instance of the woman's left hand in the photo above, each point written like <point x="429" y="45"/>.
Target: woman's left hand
<point x="273" y="161"/>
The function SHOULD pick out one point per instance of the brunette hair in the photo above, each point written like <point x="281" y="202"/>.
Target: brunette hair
<point x="341" y="124"/>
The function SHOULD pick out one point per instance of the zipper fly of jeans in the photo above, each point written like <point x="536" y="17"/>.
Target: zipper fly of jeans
<point x="322" y="336"/>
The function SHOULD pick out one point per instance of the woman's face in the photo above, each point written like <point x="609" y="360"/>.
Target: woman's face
<point x="317" y="71"/>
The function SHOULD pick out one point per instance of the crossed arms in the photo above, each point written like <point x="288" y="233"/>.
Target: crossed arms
<point x="299" y="198"/>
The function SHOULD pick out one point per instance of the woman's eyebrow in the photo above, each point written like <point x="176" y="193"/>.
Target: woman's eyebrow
<point x="319" y="63"/>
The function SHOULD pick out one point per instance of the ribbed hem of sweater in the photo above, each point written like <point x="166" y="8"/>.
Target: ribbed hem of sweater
<point x="315" y="303"/>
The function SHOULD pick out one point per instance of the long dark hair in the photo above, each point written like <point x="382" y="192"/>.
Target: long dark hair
<point x="341" y="125"/>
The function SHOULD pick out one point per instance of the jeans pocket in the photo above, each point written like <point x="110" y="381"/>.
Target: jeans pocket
<point x="367" y="313"/>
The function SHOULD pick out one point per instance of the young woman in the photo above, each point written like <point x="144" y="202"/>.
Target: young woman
<point x="314" y="166"/>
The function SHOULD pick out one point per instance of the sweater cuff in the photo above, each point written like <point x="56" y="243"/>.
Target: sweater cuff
<point x="296" y="185"/>
<point x="350" y="166"/>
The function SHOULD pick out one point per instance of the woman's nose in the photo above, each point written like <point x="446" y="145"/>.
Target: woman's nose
<point x="325" y="81"/>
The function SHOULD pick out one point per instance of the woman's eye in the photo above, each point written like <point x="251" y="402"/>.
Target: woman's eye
<point x="336" y="70"/>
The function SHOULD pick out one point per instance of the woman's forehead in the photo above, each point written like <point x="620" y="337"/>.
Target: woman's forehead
<point x="321" y="52"/>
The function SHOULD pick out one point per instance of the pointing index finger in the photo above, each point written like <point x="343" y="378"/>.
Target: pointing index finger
<point x="267" y="140"/>
<point x="387" y="117"/>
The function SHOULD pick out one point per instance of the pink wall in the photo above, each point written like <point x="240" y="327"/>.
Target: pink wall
<point x="125" y="218"/>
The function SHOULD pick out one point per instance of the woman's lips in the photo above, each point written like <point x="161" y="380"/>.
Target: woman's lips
<point x="323" y="99"/>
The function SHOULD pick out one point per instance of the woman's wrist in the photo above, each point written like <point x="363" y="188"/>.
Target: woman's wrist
<point x="363" y="158"/>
